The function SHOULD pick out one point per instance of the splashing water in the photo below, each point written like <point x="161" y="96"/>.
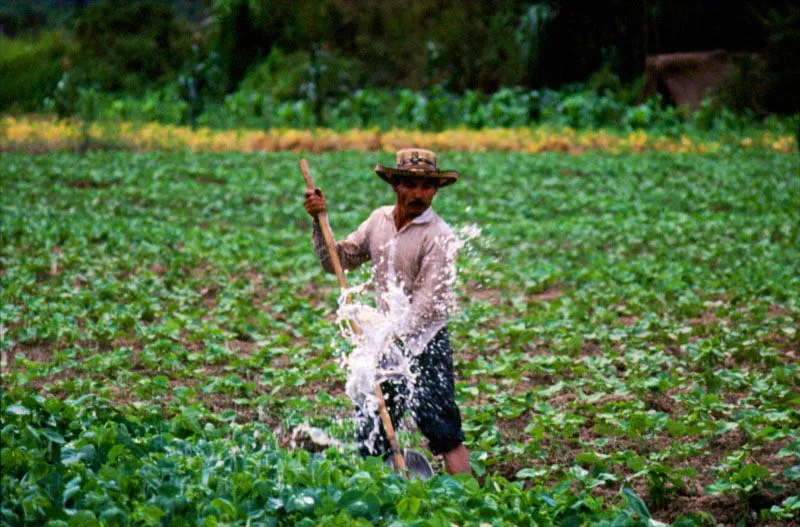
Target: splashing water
<point x="377" y="355"/>
<point x="383" y="350"/>
<point x="316" y="435"/>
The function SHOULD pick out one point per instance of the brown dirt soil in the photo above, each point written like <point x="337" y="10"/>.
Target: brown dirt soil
<point x="317" y="294"/>
<point x="158" y="268"/>
<point x="787" y="349"/>
<point x="33" y="352"/>
<point x="209" y="296"/>
<point x="548" y="295"/>
<point x="474" y="290"/>
<point x="243" y="348"/>
<point x="724" y="508"/>
<point x="87" y="183"/>
<point x="207" y="178"/>
<point x="706" y="319"/>
<point x="776" y="311"/>
<point x="573" y="173"/>
<point x="664" y="403"/>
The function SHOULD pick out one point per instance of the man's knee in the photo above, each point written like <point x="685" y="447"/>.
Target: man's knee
<point x="456" y="460"/>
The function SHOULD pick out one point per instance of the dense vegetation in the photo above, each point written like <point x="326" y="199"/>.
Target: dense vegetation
<point x="271" y="55"/>
<point x="574" y="106"/>
<point x="627" y="342"/>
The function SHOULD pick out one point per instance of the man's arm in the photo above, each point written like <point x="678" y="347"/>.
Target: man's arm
<point x="353" y="251"/>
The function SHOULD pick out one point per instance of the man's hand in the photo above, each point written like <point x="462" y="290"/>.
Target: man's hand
<point x="315" y="202"/>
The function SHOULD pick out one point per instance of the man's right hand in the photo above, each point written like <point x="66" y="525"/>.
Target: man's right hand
<point x="315" y="202"/>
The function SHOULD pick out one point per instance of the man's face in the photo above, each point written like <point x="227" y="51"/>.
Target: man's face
<point x="414" y="195"/>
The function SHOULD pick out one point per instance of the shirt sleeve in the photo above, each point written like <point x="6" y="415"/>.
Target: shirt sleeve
<point x="353" y="250"/>
<point x="432" y="294"/>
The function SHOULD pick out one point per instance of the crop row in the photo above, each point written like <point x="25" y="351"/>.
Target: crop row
<point x="626" y="341"/>
<point x="46" y="134"/>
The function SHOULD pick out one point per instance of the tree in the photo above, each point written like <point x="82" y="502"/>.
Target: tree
<point x="127" y="46"/>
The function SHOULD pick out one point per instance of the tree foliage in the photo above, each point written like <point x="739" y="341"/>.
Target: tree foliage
<point x="781" y="54"/>
<point x="126" y="46"/>
<point x="338" y="46"/>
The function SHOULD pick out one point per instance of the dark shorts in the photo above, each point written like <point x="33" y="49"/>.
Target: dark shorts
<point x="433" y="407"/>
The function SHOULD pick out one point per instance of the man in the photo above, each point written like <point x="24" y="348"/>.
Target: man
<point x="410" y="247"/>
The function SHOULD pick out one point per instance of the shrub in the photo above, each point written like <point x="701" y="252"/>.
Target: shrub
<point x="130" y="46"/>
<point x="281" y="75"/>
<point x="781" y="58"/>
<point x="31" y="69"/>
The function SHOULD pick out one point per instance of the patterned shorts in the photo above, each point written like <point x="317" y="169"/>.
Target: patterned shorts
<point x="433" y="407"/>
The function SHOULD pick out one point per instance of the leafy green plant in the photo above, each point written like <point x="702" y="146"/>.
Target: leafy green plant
<point x="165" y="329"/>
<point x="743" y="479"/>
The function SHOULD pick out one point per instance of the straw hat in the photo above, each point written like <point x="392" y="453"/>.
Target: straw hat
<point x="417" y="163"/>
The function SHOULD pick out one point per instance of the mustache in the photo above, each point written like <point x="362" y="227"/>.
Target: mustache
<point x="417" y="202"/>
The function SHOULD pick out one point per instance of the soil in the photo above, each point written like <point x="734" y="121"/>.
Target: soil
<point x="776" y="311"/>
<point x="477" y="291"/>
<point x="548" y="295"/>
<point x="87" y="183"/>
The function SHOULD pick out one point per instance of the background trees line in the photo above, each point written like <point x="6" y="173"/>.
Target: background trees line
<point x="322" y="51"/>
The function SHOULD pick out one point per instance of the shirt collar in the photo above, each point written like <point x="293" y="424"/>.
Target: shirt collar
<point x="425" y="217"/>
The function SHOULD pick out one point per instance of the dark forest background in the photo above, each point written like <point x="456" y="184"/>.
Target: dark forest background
<point x="332" y="47"/>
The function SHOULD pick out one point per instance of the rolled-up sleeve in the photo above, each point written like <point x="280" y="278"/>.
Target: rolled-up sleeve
<point x="353" y="250"/>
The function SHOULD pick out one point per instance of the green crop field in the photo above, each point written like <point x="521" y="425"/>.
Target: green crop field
<point x="626" y="342"/>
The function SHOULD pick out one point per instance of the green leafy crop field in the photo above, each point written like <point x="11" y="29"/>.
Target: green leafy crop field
<point x="626" y="342"/>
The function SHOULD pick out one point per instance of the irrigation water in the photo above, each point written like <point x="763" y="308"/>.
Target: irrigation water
<point x="392" y="335"/>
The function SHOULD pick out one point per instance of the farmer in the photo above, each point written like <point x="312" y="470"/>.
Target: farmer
<point x="412" y="247"/>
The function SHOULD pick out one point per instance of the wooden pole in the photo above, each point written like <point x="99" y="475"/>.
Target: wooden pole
<point x="337" y="267"/>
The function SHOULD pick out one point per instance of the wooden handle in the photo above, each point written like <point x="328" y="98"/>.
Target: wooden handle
<point x="337" y="267"/>
<point x="326" y="229"/>
<point x="307" y="174"/>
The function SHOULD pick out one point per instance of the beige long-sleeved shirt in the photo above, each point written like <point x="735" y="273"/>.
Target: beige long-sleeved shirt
<point x="420" y="258"/>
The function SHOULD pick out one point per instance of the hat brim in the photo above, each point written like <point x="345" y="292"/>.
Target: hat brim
<point x="444" y="177"/>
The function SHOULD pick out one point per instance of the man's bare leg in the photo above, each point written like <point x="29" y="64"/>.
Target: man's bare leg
<point x="456" y="461"/>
